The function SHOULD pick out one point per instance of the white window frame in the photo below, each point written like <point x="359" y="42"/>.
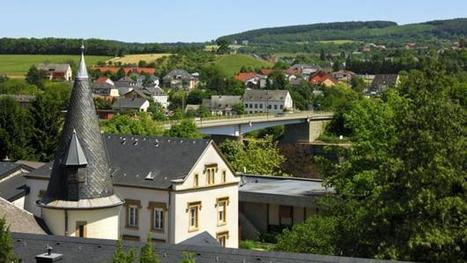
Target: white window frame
<point x="132" y="216"/>
<point x="158" y="218"/>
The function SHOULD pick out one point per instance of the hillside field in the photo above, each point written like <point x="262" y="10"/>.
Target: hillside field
<point x="134" y="59"/>
<point x="231" y="64"/>
<point x="16" y="66"/>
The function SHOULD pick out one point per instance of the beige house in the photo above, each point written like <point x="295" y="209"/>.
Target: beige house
<point x="275" y="101"/>
<point x="56" y="71"/>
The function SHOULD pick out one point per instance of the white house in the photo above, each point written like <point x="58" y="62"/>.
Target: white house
<point x="56" y="71"/>
<point x="257" y="101"/>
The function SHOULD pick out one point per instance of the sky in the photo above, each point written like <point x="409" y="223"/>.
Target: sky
<point x="200" y="20"/>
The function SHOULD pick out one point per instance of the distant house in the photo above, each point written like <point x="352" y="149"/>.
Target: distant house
<point x="304" y="69"/>
<point x="322" y="78"/>
<point x="192" y="108"/>
<point x="343" y="75"/>
<point x="56" y="71"/>
<point x="24" y="100"/>
<point x="257" y="101"/>
<point x="130" y="104"/>
<point x="180" y="79"/>
<point x="381" y="82"/>
<point x="104" y="80"/>
<point x="126" y="82"/>
<point x="154" y="94"/>
<point x="104" y="88"/>
<point x="252" y="79"/>
<point x="127" y="70"/>
<point x="222" y="104"/>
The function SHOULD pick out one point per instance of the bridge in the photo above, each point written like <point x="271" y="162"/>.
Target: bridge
<point x="303" y="126"/>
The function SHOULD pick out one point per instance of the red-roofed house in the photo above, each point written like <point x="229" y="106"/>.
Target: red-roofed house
<point x="138" y="70"/>
<point x="322" y="78"/>
<point x="251" y="79"/>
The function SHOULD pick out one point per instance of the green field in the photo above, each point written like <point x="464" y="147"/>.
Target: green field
<point x="336" y="42"/>
<point x="16" y="66"/>
<point x="231" y="64"/>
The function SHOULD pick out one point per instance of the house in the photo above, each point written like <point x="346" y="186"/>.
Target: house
<point x="222" y="104"/>
<point x="252" y="79"/>
<point x="33" y="248"/>
<point x="343" y="75"/>
<point x="126" y="82"/>
<point x="381" y="82"/>
<point x="104" y="88"/>
<point x="20" y="220"/>
<point x="180" y="79"/>
<point x="268" y="204"/>
<point x="192" y="108"/>
<point x="104" y="80"/>
<point x="257" y="101"/>
<point x="130" y="104"/>
<point x="322" y="78"/>
<point x="304" y="69"/>
<point x="154" y="94"/>
<point x="127" y="70"/>
<point x="24" y="100"/>
<point x="129" y="187"/>
<point x="56" y="71"/>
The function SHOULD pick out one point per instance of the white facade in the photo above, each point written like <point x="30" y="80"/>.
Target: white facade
<point x="263" y="105"/>
<point x="173" y="203"/>
<point x="163" y="100"/>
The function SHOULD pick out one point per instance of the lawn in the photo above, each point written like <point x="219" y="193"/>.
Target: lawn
<point x="134" y="59"/>
<point x="231" y="64"/>
<point x="16" y="66"/>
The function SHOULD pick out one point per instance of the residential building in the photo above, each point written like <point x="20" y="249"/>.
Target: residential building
<point x="304" y="69"/>
<point x="192" y="108"/>
<point x="268" y="204"/>
<point x="180" y="79"/>
<point x="127" y="70"/>
<point x="252" y="79"/>
<point x="56" y="71"/>
<point x="322" y="78"/>
<point x="154" y="94"/>
<point x="126" y="82"/>
<point x="104" y="88"/>
<point x="257" y="101"/>
<point x="24" y="100"/>
<point x="20" y="220"/>
<point x="222" y="104"/>
<point x="381" y="82"/>
<point x="130" y="104"/>
<point x="343" y="75"/>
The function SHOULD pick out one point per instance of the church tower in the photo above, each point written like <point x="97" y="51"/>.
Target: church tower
<point x="79" y="200"/>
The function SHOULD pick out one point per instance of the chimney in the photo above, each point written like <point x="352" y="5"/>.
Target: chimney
<point x="48" y="257"/>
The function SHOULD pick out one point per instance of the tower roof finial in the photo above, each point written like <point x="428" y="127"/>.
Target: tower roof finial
<point x="82" y="71"/>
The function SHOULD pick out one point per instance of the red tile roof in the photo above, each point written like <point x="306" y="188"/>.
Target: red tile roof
<point x="244" y="76"/>
<point x="319" y="77"/>
<point x="139" y="70"/>
<point x="101" y="80"/>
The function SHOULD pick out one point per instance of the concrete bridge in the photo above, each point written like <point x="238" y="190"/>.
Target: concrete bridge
<point x="303" y="126"/>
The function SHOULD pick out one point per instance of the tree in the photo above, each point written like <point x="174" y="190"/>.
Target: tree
<point x="185" y="129"/>
<point x="15" y="130"/>
<point x="36" y="76"/>
<point x="6" y="243"/>
<point x="141" y="124"/>
<point x="147" y="253"/>
<point x="223" y="46"/>
<point x="120" y="256"/>
<point x="157" y="111"/>
<point x="258" y="156"/>
<point x="47" y="121"/>
<point x="358" y="84"/>
<point x="188" y="257"/>
<point x="278" y="80"/>
<point x="239" y="108"/>
<point x="400" y="188"/>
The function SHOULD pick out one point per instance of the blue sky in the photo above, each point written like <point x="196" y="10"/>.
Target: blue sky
<point x="200" y="20"/>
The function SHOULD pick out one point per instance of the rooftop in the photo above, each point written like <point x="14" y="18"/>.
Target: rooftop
<point x="262" y="95"/>
<point x="27" y="246"/>
<point x="20" y="220"/>
<point x="281" y="190"/>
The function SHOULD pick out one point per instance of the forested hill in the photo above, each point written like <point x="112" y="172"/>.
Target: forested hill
<point x="357" y="31"/>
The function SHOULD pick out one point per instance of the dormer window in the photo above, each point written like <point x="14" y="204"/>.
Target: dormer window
<point x="210" y="171"/>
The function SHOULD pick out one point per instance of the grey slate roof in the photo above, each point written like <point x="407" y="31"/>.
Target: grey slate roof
<point x="265" y="95"/>
<point x="6" y="168"/>
<point x="73" y="249"/>
<point x="129" y="103"/>
<point x="202" y="239"/>
<point x="281" y="190"/>
<point x="53" y="67"/>
<point x="133" y="158"/>
<point x="20" y="220"/>
<point x="224" y="101"/>
<point x="74" y="155"/>
<point x="383" y="81"/>
<point x="13" y="188"/>
<point x="178" y="74"/>
<point x="81" y="117"/>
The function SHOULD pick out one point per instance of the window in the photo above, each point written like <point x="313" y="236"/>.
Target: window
<point x="222" y="238"/>
<point x="210" y="170"/>
<point x="251" y="105"/>
<point x="222" y="210"/>
<point x="246" y="105"/>
<point x="133" y="216"/>
<point x="285" y="215"/>
<point x="281" y="106"/>
<point x="196" y="180"/>
<point x="81" y="229"/>
<point x="275" y="107"/>
<point x="158" y="219"/>
<point x="261" y="105"/>
<point x="193" y="216"/>
<point x="132" y="210"/>
<point x="256" y="105"/>
<point x="269" y="106"/>
<point x="224" y="176"/>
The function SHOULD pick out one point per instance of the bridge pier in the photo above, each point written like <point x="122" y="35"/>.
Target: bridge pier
<point x="304" y="132"/>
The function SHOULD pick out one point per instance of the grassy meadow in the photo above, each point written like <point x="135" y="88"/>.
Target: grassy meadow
<point x="134" y="59"/>
<point x="16" y="66"/>
<point x="231" y="64"/>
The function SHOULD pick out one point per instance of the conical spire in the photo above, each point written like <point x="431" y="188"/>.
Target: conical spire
<point x="82" y="71"/>
<point x="81" y="169"/>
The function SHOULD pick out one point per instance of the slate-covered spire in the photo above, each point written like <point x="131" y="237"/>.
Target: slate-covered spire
<point x="81" y="168"/>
